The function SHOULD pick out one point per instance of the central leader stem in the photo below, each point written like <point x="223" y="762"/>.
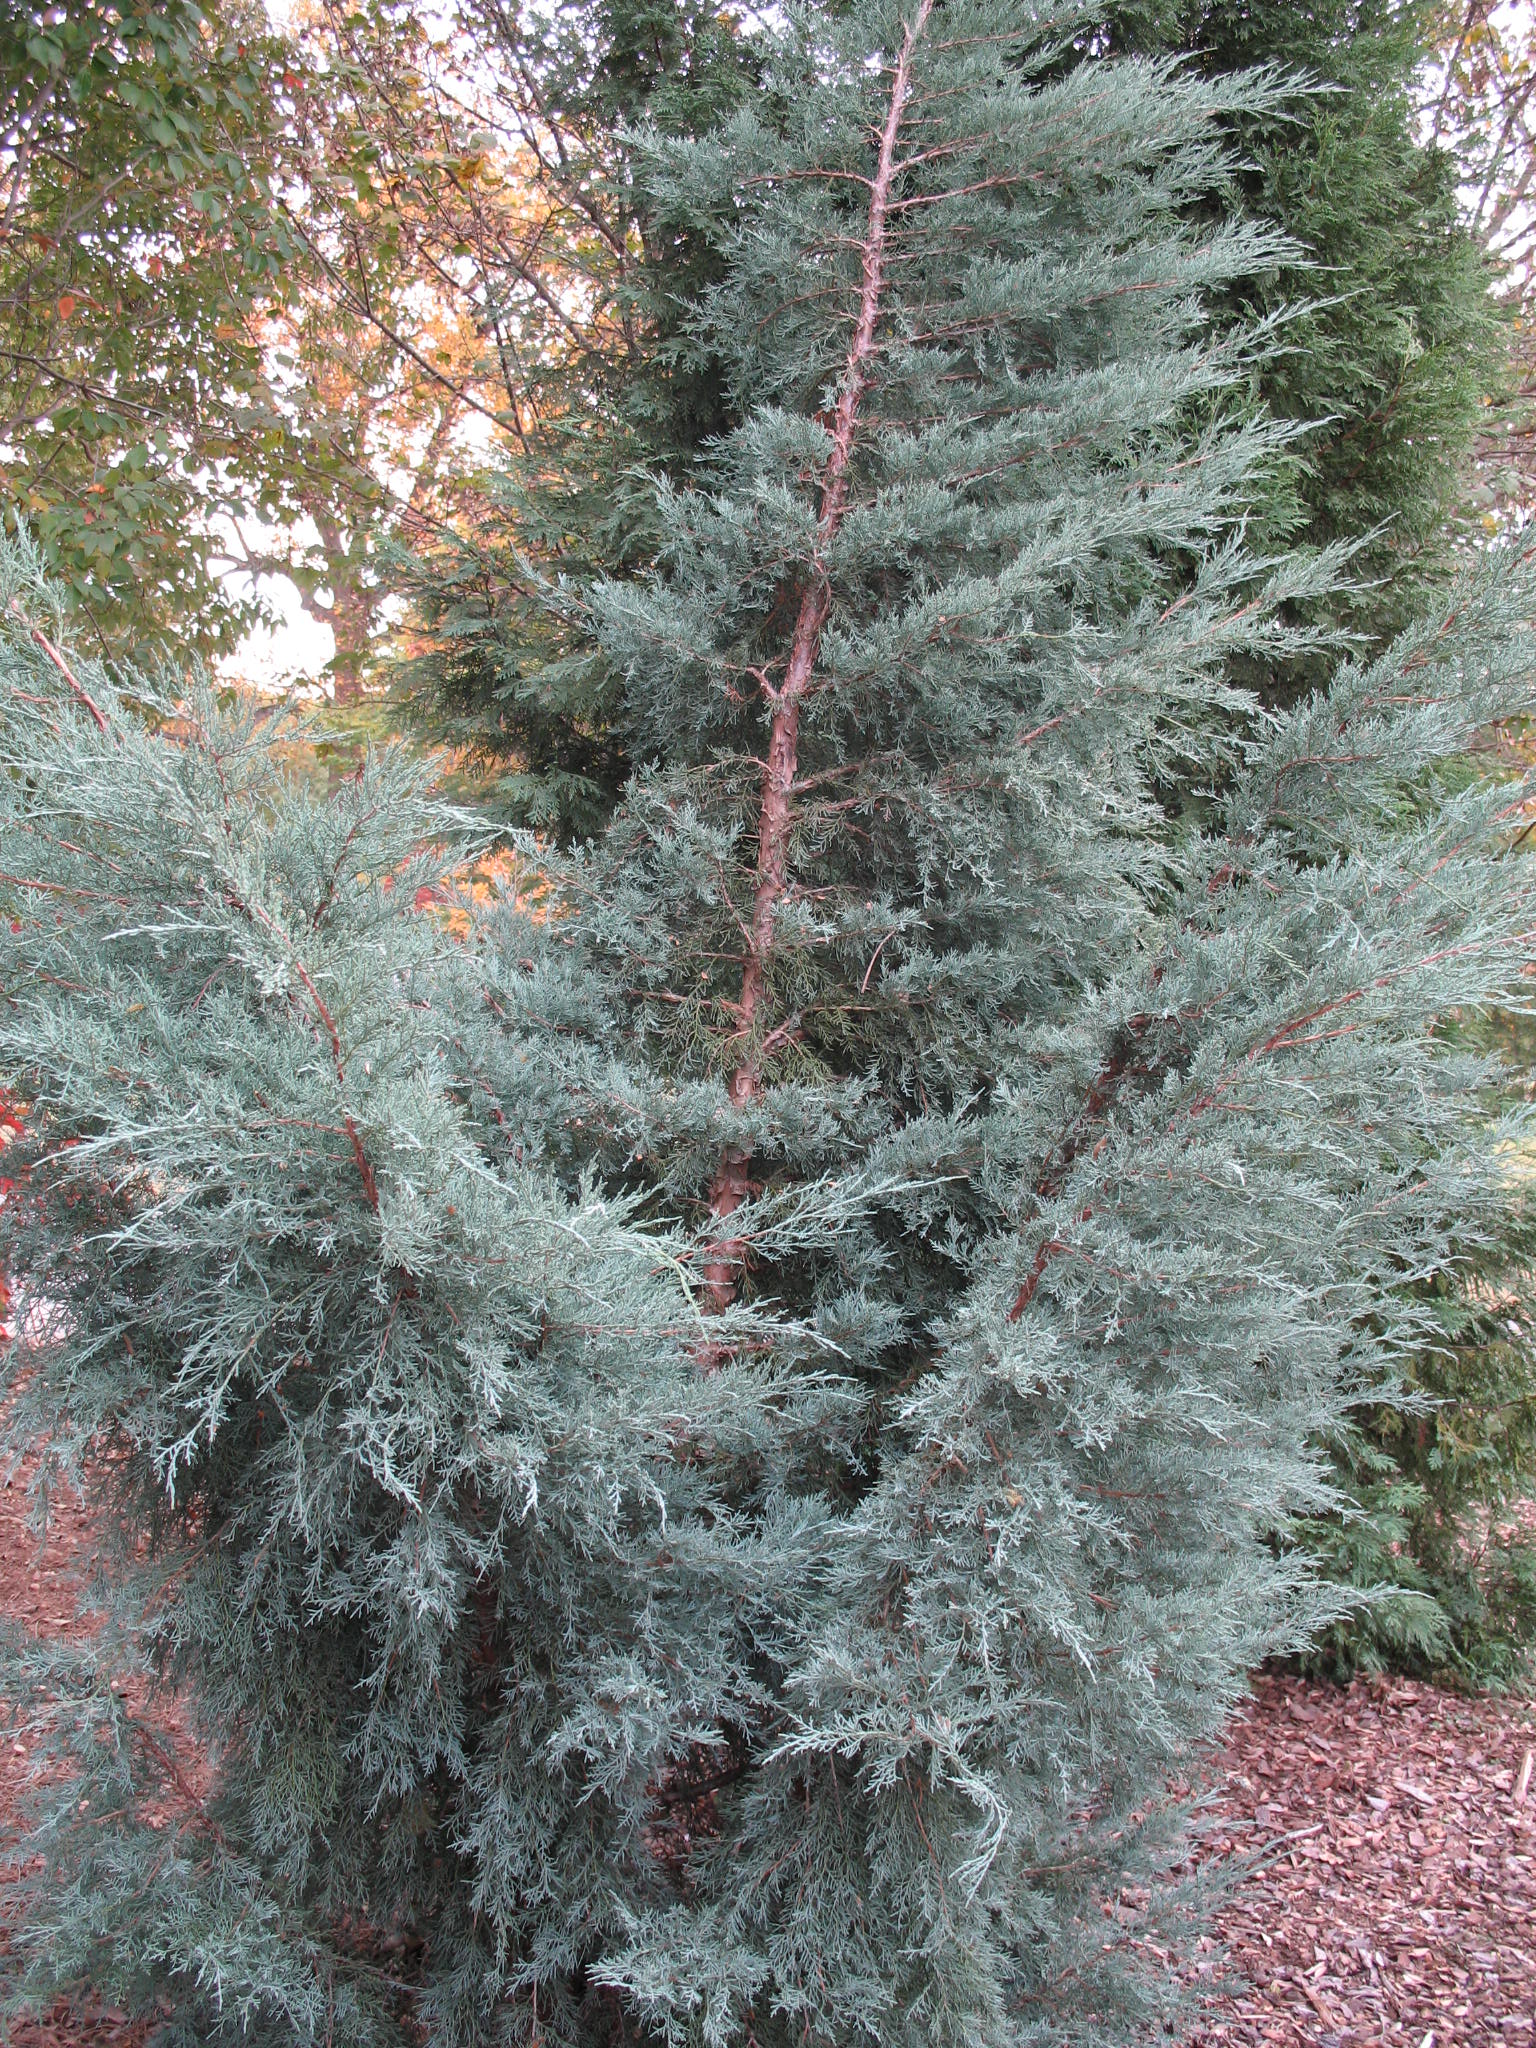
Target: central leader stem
<point x="732" y="1183"/>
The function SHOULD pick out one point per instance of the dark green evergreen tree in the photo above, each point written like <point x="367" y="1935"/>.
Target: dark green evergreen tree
<point x="703" y="1436"/>
<point x="1438" y="1480"/>
<point x="1400" y="344"/>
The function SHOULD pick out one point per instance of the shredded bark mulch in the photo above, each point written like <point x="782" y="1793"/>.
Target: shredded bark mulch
<point x="1395" y="1896"/>
<point x="1393" y="1899"/>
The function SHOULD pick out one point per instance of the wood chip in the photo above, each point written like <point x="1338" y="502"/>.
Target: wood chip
<point x="1425" y="1798"/>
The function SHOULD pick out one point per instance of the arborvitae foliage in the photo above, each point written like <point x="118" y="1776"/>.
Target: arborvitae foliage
<point x="702" y="1440"/>
<point x="1438" y="1482"/>
<point x="1400" y="346"/>
<point x="521" y="688"/>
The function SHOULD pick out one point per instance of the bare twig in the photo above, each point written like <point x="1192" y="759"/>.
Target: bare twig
<point x="61" y="665"/>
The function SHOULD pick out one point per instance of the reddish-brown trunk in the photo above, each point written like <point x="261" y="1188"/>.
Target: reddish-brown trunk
<point x="732" y="1181"/>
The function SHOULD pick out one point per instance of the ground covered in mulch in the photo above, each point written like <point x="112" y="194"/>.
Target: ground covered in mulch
<point x="1387" y="1837"/>
<point x="1394" y="1896"/>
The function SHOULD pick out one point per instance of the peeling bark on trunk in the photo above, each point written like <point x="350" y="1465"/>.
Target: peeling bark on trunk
<point x="732" y="1182"/>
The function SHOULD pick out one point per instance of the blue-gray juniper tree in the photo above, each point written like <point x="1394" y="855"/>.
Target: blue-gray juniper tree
<point x="700" y="1438"/>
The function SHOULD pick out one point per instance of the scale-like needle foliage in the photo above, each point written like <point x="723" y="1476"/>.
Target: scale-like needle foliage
<point x="703" y="1438"/>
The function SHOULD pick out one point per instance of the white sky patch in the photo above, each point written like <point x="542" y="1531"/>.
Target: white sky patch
<point x="290" y="653"/>
<point x="293" y="651"/>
